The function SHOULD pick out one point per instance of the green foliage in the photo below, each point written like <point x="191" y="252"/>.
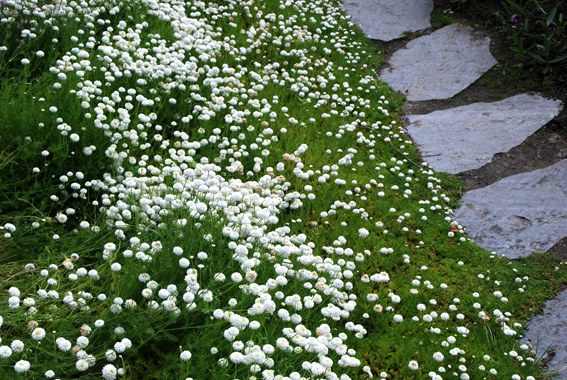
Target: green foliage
<point x="538" y="34"/>
<point x="403" y="206"/>
<point x="459" y="3"/>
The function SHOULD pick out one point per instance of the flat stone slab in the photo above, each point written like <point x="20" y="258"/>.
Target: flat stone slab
<point x="440" y="65"/>
<point x="387" y="20"/>
<point x="465" y="138"/>
<point x="550" y="330"/>
<point x="519" y="214"/>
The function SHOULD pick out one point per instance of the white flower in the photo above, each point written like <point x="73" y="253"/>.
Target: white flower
<point x="5" y="352"/>
<point x="14" y="302"/>
<point x="82" y="341"/>
<point x="17" y="346"/>
<point x="208" y="296"/>
<point x="63" y="344"/>
<point x="22" y="366"/>
<point x="188" y="297"/>
<point x="110" y="355"/>
<point x="184" y="263"/>
<point x="110" y="247"/>
<point x="185" y="355"/>
<point x="254" y="325"/>
<point x="82" y="365"/>
<point x="509" y="332"/>
<point x="438" y="356"/>
<point x="38" y="334"/>
<point x="282" y="344"/>
<point x="74" y="137"/>
<point x="317" y="369"/>
<point x="119" y="347"/>
<point x="164" y="294"/>
<point x="28" y="301"/>
<point x="109" y="372"/>
<point x="413" y="365"/>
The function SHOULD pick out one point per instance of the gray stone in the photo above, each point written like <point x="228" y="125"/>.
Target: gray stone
<point x="467" y="137"/>
<point x="549" y="330"/>
<point x="519" y="214"/>
<point x="440" y="65"/>
<point x="387" y="20"/>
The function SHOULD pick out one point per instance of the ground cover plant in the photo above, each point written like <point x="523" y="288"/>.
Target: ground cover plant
<point x="222" y="190"/>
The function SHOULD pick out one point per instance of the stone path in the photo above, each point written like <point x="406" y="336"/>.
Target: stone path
<point x="467" y="137"/>
<point x="516" y="215"/>
<point x="386" y="20"/>
<point x="543" y="334"/>
<point x="440" y="65"/>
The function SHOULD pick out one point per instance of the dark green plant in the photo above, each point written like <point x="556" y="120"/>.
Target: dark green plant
<point x="537" y="33"/>
<point x="459" y="2"/>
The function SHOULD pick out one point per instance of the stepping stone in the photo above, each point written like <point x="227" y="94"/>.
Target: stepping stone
<point x="465" y="138"/>
<point x="440" y="65"/>
<point x="387" y="20"/>
<point x="518" y="214"/>
<point x="548" y="330"/>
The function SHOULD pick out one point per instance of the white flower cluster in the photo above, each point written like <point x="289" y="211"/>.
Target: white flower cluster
<point x="214" y="186"/>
